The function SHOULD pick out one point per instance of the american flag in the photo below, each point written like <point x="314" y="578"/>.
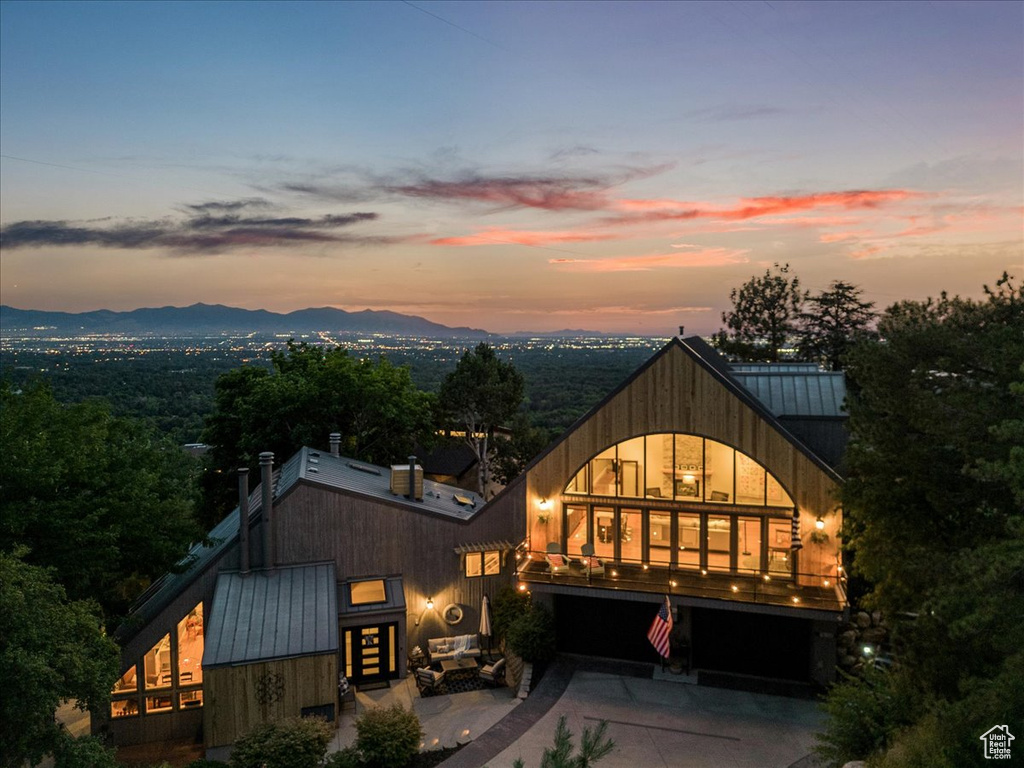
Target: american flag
<point x="660" y="627"/>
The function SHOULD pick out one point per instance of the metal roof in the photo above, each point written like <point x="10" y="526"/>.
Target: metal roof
<point x="277" y="614"/>
<point x="775" y="367"/>
<point x="797" y="393"/>
<point x="393" y="590"/>
<point x="321" y="468"/>
<point x="502" y="545"/>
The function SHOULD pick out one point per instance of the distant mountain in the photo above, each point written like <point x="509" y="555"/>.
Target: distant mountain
<point x="216" y="319"/>
<point x="565" y="333"/>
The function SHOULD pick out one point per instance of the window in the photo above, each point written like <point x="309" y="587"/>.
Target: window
<point x="157" y="664"/>
<point x="190" y="699"/>
<point x="127" y="683"/>
<point x="124" y="708"/>
<point x="483" y="563"/>
<point x="365" y="592"/>
<point x="679" y="467"/>
<point x="190" y="648"/>
<point x="161" y="703"/>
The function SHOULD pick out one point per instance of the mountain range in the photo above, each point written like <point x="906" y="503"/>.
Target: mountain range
<point x="217" y="319"/>
<point x="205" y="319"/>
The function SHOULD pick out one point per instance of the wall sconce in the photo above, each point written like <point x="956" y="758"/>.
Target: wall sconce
<point x="819" y="524"/>
<point x="544" y="504"/>
<point x="430" y="603"/>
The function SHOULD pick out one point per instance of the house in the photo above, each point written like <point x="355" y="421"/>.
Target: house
<point x="353" y="567"/>
<point x="711" y="484"/>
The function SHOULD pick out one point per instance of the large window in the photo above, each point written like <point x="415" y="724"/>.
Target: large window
<point x="684" y="468"/>
<point x="190" y="647"/>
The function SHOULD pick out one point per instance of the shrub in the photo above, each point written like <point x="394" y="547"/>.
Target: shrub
<point x="532" y="635"/>
<point x="349" y="757"/>
<point x="298" y="742"/>
<point x="83" y="752"/>
<point x="202" y="762"/>
<point x="388" y="736"/>
<point x="509" y="604"/>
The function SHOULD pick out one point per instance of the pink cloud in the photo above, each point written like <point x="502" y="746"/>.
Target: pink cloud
<point x="711" y="257"/>
<point x="501" y="236"/>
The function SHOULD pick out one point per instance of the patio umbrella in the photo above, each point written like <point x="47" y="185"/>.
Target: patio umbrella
<point x="485" y="622"/>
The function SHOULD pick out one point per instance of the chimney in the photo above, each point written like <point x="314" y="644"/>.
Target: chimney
<point x="682" y="331"/>
<point x="407" y="480"/>
<point x="335" y="443"/>
<point x="243" y="518"/>
<point x="267" y="484"/>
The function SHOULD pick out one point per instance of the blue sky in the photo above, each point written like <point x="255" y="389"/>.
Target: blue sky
<point x="615" y="166"/>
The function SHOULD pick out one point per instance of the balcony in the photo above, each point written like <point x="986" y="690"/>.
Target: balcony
<point x="750" y="588"/>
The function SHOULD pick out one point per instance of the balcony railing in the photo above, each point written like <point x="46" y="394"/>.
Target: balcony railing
<point x="750" y="587"/>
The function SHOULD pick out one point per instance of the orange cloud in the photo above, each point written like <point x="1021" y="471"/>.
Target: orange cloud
<point x="647" y="211"/>
<point x="501" y="236"/>
<point x="711" y="257"/>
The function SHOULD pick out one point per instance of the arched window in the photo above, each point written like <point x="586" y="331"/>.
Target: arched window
<point x="678" y="467"/>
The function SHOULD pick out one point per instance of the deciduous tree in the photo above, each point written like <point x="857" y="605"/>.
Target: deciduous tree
<point x="310" y="392"/>
<point x="103" y="500"/>
<point x="483" y="392"/>
<point x="764" y="316"/>
<point x="51" y="649"/>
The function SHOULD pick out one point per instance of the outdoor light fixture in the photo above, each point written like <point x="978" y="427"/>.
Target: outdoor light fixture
<point x="868" y="650"/>
<point x="703" y="571"/>
<point x="735" y="588"/>
<point x="522" y="587"/>
<point x="827" y="582"/>
<point x="645" y="566"/>
<point x="672" y="583"/>
<point x="430" y="603"/>
<point x="819" y="524"/>
<point x="796" y="599"/>
<point x="544" y="504"/>
<point x="767" y="577"/>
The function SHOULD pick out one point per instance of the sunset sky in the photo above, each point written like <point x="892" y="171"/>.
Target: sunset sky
<point x="507" y="166"/>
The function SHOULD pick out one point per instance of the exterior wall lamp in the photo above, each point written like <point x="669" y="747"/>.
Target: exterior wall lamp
<point x="430" y="603"/>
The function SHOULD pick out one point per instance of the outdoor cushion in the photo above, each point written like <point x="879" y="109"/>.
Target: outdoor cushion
<point x="556" y="560"/>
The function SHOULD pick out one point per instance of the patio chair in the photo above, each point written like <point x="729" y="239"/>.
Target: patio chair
<point x="593" y="565"/>
<point x="557" y="562"/>
<point x="494" y="673"/>
<point x="428" y="681"/>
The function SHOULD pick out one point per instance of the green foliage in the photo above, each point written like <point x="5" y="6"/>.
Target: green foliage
<point x="511" y="456"/>
<point x="482" y="393"/>
<point x="51" y="649"/>
<point x="508" y="605"/>
<point x="933" y="516"/>
<point x="864" y="713"/>
<point x="202" y="762"/>
<point x="834" y="321"/>
<point x="764" y="316"/>
<point x="349" y="757"/>
<point x="532" y="635"/>
<point x="594" y="746"/>
<point x="101" y="499"/>
<point x="388" y="737"/>
<point x="83" y="752"/>
<point x="310" y="392"/>
<point x="297" y="742"/>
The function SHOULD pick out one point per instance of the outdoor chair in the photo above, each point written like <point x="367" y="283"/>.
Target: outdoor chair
<point x="593" y="565"/>
<point x="494" y="673"/>
<point x="557" y="562"/>
<point x="428" y="681"/>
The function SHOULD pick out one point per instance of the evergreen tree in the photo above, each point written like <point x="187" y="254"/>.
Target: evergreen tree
<point x="763" y="318"/>
<point x="483" y="392"/>
<point x="835" y="320"/>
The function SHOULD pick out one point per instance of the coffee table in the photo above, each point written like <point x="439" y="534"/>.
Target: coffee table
<point x="459" y="667"/>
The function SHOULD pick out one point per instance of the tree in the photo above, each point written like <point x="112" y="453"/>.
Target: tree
<point x="482" y="393"/>
<point x="835" y="321"/>
<point x="511" y="456"/>
<point x="594" y="746"/>
<point x="764" y="316"/>
<point x="51" y="650"/>
<point x="103" y="500"/>
<point x="934" y="519"/>
<point x="309" y="392"/>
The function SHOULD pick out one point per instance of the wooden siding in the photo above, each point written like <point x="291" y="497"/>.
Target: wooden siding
<point x="231" y="708"/>
<point x="371" y="537"/>
<point x="677" y="394"/>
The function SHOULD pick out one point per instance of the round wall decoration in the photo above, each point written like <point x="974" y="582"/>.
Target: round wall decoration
<point x="452" y="613"/>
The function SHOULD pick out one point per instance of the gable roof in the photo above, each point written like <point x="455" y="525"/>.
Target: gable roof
<point x="279" y="614"/>
<point x="710" y="360"/>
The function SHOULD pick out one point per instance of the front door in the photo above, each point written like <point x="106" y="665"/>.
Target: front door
<point x="370" y="653"/>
